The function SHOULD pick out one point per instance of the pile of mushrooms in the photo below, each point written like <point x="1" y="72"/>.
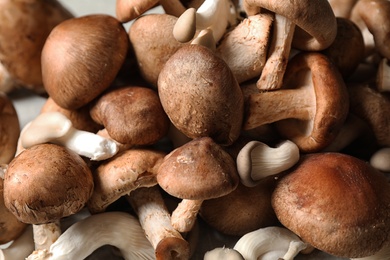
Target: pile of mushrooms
<point x="267" y="122"/>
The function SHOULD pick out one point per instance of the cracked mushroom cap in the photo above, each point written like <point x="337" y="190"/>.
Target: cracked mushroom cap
<point x="337" y="203"/>
<point x="45" y="183"/>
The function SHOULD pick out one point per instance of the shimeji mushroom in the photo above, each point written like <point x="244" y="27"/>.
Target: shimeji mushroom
<point x="337" y="203"/>
<point x="277" y="242"/>
<point x="155" y="220"/>
<point x="20" y="248"/>
<point x="296" y="24"/>
<point x="310" y="108"/>
<point x="55" y="127"/>
<point x="119" y="229"/>
<point x="194" y="172"/>
<point x="256" y="160"/>
<point x="27" y="23"/>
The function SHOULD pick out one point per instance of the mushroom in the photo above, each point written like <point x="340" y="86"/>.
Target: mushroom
<point x="155" y="220"/>
<point x="119" y="229"/>
<point x="27" y="23"/>
<point x="123" y="173"/>
<point x="195" y="76"/>
<point x="81" y="58"/>
<point x="55" y="127"/>
<point x="9" y="128"/>
<point x="275" y="241"/>
<point x="310" y="108"/>
<point x="21" y="247"/>
<point x="383" y="76"/>
<point x="197" y="171"/>
<point x="380" y="159"/>
<point x="296" y="24"/>
<point x="223" y="253"/>
<point x="43" y="184"/>
<point x="257" y="160"/>
<point x="342" y="8"/>
<point x="7" y="83"/>
<point x="337" y="203"/>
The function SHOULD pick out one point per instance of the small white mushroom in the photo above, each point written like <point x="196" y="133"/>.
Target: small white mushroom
<point x="256" y="160"/>
<point x="54" y="127"/>
<point x="118" y="229"/>
<point x="223" y="253"/>
<point x="19" y="248"/>
<point x="279" y="242"/>
<point x="380" y="160"/>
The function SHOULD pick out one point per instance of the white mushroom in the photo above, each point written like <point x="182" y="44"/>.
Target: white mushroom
<point x="223" y="253"/>
<point x="19" y="248"/>
<point x="256" y="160"/>
<point x="380" y="160"/>
<point x="54" y="127"/>
<point x="118" y="229"/>
<point x="279" y="242"/>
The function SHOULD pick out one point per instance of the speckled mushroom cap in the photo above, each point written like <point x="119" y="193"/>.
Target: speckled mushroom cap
<point x="81" y="58"/>
<point x="45" y="183"/>
<point x="9" y="129"/>
<point x="198" y="170"/>
<point x="335" y="202"/>
<point x="131" y="115"/>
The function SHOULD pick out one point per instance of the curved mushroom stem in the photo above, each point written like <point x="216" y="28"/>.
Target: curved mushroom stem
<point x="54" y="127"/>
<point x="272" y="75"/>
<point x="19" y="248"/>
<point x="256" y="160"/>
<point x="205" y="38"/>
<point x="268" y="240"/>
<point x="156" y="222"/>
<point x="184" y="215"/>
<point x="46" y="234"/>
<point x="118" y="229"/>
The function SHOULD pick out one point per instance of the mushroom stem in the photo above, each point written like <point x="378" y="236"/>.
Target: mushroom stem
<point x="275" y="66"/>
<point x="184" y="215"/>
<point x="156" y="222"/>
<point x="20" y="248"/>
<point x="256" y="160"/>
<point x="54" y="127"/>
<point x="46" y="234"/>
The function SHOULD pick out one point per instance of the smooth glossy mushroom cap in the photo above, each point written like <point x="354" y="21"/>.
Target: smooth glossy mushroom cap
<point x="81" y="58"/>
<point x="201" y="96"/>
<point x="131" y="115"/>
<point x="45" y="183"/>
<point x="335" y="202"/>
<point x="330" y="102"/>
<point x="198" y="170"/>
<point x="9" y="129"/>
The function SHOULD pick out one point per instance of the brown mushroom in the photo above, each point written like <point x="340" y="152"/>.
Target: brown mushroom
<point x="81" y="58"/>
<point x="337" y="203"/>
<point x="311" y="117"/>
<point x="194" y="172"/>
<point x="342" y="8"/>
<point x="24" y="28"/>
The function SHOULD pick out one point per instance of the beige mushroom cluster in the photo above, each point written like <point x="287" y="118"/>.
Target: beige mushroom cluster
<point x="260" y="120"/>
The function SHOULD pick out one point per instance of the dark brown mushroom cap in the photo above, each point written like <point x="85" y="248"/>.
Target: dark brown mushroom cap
<point x="45" y="183"/>
<point x="335" y="202"/>
<point x="198" y="170"/>
<point x="131" y="115"/>
<point x="200" y="95"/>
<point x="9" y="129"/>
<point x="81" y="58"/>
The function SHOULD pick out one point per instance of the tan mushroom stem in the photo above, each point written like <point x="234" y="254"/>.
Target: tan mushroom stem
<point x="279" y="52"/>
<point x="184" y="215"/>
<point x="155" y="220"/>
<point x="383" y="76"/>
<point x="257" y="160"/>
<point x="54" y="127"/>
<point x="46" y="234"/>
<point x="20" y="248"/>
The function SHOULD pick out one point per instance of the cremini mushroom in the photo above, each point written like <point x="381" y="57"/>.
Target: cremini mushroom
<point x="24" y="28"/>
<point x="256" y="160"/>
<point x="55" y="127"/>
<point x="155" y="220"/>
<point x="197" y="171"/>
<point x="310" y="108"/>
<point x="119" y="229"/>
<point x="20" y="248"/>
<point x="223" y="253"/>
<point x="81" y="58"/>
<point x="296" y="24"/>
<point x="337" y="203"/>
<point x="380" y="160"/>
<point x="271" y="242"/>
<point x="123" y="173"/>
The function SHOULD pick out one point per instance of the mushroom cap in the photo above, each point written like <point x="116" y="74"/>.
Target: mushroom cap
<point x="316" y="23"/>
<point x="132" y="115"/>
<point x="214" y="103"/>
<point x="45" y="183"/>
<point x="9" y="129"/>
<point x="81" y="58"/>
<point x="330" y="101"/>
<point x="198" y="170"/>
<point x="337" y="203"/>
